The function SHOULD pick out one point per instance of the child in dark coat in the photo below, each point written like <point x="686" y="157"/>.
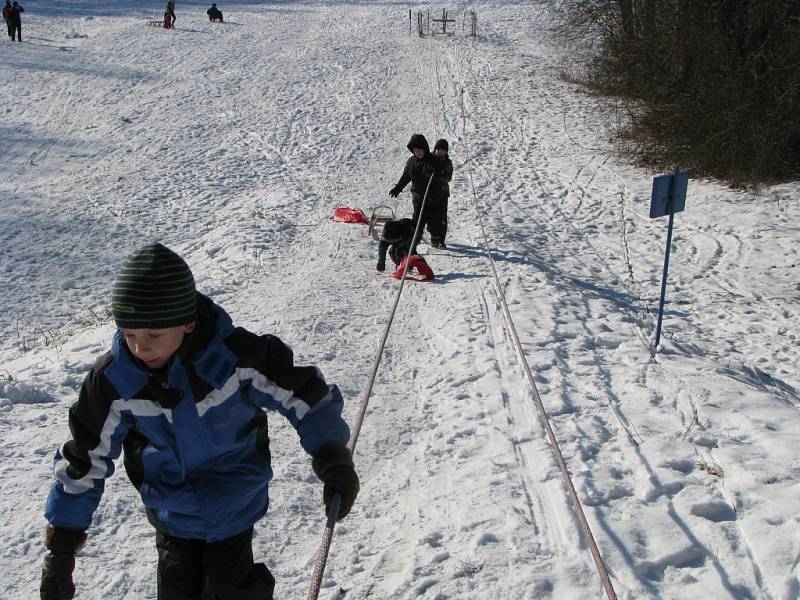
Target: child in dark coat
<point x="169" y="15"/>
<point x="438" y="214"/>
<point x="214" y="14"/>
<point x="6" y="9"/>
<point x="182" y="394"/>
<point x="418" y="170"/>
<point x="397" y="237"/>
<point x="14" y="21"/>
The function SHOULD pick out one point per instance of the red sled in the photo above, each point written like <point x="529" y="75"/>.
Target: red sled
<point x="424" y="272"/>
<point x="349" y="215"/>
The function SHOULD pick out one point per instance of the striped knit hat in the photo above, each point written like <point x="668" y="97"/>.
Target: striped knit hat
<point x="154" y="290"/>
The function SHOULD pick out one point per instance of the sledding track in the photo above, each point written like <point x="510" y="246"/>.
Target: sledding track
<point x="246" y="163"/>
<point x="515" y="139"/>
<point x="600" y="425"/>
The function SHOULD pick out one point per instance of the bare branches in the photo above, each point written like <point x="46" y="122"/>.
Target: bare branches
<point x="713" y="86"/>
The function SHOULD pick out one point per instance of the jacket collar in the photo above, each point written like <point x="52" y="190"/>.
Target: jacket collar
<point x="213" y="361"/>
<point x="204" y="349"/>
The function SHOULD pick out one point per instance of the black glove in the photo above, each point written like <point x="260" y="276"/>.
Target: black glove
<point x="60" y="562"/>
<point x="429" y="169"/>
<point x="394" y="192"/>
<point x="381" y="264"/>
<point x="334" y="466"/>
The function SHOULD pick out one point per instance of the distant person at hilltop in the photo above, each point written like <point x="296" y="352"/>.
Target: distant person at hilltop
<point x="14" y="21"/>
<point x="169" y="15"/>
<point x="183" y="395"/>
<point x="214" y="14"/>
<point x="6" y="8"/>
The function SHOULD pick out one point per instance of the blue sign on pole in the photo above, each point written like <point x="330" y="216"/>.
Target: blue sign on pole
<point x="669" y="187"/>
<point x="669" y="197"/>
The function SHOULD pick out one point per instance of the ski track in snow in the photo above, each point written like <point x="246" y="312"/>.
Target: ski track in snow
<point x="233" y="144"/>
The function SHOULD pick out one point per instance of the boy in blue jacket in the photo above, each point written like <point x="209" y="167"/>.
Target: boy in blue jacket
<point x="182" y="394"/>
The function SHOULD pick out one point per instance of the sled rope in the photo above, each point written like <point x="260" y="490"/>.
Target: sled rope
<point x="559" y="457"/>
<point x="327" y="537"/>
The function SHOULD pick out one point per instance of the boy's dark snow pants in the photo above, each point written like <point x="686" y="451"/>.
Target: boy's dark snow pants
<point x="434" y="219"/>
<point x="199" y="570"/>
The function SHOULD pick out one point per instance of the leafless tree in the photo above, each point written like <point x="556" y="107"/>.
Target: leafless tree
<point x="710" y="85"/>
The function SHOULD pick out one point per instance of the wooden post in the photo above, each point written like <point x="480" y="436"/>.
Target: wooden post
<point x="444" y="21"/>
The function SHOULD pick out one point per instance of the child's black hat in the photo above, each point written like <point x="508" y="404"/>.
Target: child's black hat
<point x="441" y="144"/>
<point x="418" y="141"/>
<point x="392" y="232"/>
<point x="154" y="290"/>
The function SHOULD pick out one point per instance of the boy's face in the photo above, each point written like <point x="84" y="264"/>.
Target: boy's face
<point x="155" y="347"/>
<point x="440" y="152"/>
<point x="419" y="152"/>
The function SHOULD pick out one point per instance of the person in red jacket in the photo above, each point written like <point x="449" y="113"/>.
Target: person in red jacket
<point x="6" y="8"/>
<point x="169" y="15"/>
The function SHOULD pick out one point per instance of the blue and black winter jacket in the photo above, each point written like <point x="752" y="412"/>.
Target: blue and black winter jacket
<point x="195" y="435"/>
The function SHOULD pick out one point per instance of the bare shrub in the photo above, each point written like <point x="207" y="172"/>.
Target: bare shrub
<point x="713" y="86"/>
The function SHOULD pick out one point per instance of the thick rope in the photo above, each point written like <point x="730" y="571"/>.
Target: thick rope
<point x="559" y="457"/>
<point x="324" y="549"/>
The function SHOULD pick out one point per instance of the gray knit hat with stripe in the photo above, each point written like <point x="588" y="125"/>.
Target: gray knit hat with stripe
<point x="154" y="290"/>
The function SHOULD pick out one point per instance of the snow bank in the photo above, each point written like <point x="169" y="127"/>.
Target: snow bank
<point x="22" y="393"/>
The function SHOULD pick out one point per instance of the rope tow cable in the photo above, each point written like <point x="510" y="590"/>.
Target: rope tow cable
<point x="327" y="537"/>
<point x="559" y="458"/>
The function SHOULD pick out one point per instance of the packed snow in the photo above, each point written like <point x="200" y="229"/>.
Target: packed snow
<point x="233" y="144"/>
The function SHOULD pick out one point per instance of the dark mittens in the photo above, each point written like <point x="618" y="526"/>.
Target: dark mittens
<point x="344" y="481"/>
<point x="334" y="466"/>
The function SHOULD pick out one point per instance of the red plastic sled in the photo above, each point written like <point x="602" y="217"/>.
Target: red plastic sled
<point x="425" y="273"/>
<point x="349" y="215"/>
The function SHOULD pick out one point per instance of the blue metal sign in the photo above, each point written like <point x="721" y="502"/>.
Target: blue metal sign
<point x="669" y="194"/>
<point x="669" y="197"/>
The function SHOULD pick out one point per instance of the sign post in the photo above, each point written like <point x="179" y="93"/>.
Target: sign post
<point x="668" y="198"/>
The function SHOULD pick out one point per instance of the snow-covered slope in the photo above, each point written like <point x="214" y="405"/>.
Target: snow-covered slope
<point x="233" y="144"/>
